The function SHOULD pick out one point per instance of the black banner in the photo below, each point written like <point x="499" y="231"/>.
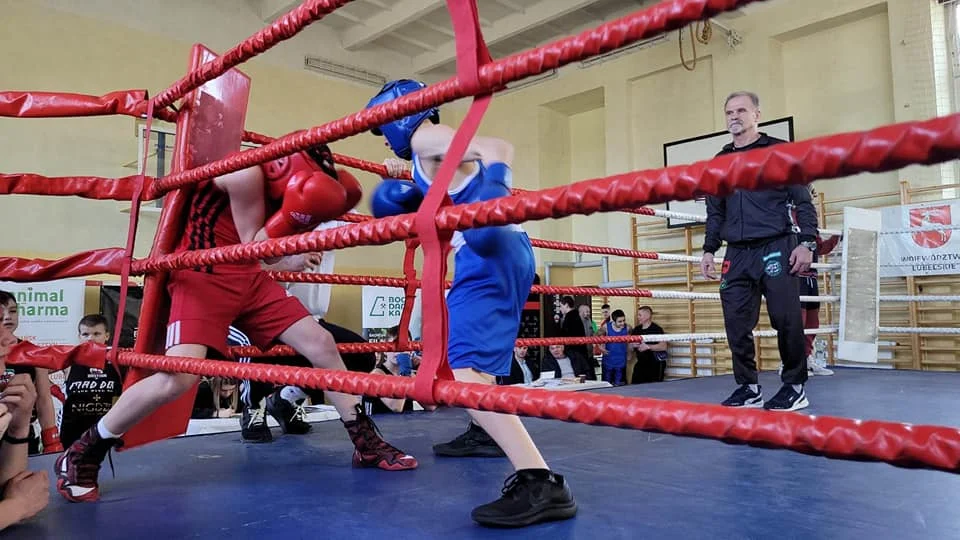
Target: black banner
<point x="530" y="322"/>
<point x="110" y="303"/>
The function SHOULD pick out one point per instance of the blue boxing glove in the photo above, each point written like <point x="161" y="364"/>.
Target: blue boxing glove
<point x="393" y="197"/>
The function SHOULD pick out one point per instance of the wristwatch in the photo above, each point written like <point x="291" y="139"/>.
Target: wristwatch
<point x="811" y="245"/>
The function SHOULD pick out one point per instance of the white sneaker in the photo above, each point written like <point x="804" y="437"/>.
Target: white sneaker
<point x="814" y="367"/>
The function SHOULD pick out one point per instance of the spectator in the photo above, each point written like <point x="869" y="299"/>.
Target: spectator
<point x="605" y="313"/>
<point x="285" y="404"/>
<point x="390" y="365"/>
<point x="217" y="397"/>
<point x="571" y="325"/>
<point x="589" y="327"/>
<point x="651" y="363"/>
<point x="567" y="364"/>
<point x="49" y="435"/>
<point x="90" y="391"/>
<point x="25" y="493"/>
<point x="615" y="354"/>
<point x="522" y="370"/>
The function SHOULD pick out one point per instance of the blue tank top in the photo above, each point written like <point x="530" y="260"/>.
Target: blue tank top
<point x="616" y="352"/>
<point x="489" y="290"/>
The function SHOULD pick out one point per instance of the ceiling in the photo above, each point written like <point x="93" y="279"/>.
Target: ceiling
<point x="421" y="29"/>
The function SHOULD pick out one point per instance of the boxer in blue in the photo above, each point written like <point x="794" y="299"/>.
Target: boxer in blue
<point x="494" y="268"/>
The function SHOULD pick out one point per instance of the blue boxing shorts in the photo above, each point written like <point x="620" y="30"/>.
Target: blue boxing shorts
<point x="491" y="282"/>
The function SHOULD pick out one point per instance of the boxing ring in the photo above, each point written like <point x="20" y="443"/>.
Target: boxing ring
<point x="635" y="482"/>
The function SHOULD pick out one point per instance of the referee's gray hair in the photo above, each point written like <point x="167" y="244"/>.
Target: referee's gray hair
<point x="744" y="93"/>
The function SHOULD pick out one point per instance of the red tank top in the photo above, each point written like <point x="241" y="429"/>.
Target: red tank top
<point x="209" y="225"/>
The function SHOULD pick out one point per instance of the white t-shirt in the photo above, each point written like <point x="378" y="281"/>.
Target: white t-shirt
<point x="316" y="296"/>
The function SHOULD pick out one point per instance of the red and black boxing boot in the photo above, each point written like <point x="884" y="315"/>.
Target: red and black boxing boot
<point x="77" y="469"/>
<point x="371" y="450"/>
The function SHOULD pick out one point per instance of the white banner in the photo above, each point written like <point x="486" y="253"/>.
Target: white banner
<point x="860" y="286"/>
<point x="49" y="311"/>
<point x="927" y="252"/>
<point x="382" y="307"/>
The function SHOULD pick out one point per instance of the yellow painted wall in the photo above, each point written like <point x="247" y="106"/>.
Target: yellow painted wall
<point x="281" y="101"/>
<point x="833" y="65"/>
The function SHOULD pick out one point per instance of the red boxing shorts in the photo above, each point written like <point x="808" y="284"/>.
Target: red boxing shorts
<point x="204" y="305"/>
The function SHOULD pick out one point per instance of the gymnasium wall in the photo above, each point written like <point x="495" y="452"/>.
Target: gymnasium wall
<point x="831" y="64"/>
<point x="57" y="50"/>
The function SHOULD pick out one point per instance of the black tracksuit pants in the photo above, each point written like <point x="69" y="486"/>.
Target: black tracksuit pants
<point x="749" y="271"/>
<point x="359" y="362"/>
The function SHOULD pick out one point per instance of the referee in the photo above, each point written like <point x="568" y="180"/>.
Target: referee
<point x="764" y="256"/>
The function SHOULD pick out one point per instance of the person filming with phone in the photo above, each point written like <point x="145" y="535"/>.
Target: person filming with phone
<point x="25" y="493"/>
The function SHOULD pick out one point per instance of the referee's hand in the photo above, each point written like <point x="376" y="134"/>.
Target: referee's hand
<point x="800" y="260"/>
<point x="707" y="266"/>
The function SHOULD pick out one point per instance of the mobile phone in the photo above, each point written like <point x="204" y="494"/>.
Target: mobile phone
<point x="5" y="378"/>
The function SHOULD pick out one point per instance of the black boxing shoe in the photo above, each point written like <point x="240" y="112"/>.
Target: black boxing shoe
<point x="253" y="426"/>
<point x="529" y="496"/>
<point x="292" y="418"/>
<point x="475" y="442"/>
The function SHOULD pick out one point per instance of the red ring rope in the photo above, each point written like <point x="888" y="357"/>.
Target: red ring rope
<point x="357" y="348"/>
<point x="840" y="155"/>
<point x="899" y="444"/>
<point x="345" y="279"/>
<point x="88" y="187"/>
<point x="493" y="75"/>
<point x="881" y="149"/>
<point x="282" y="29"/>
<point x="338" y="279"/>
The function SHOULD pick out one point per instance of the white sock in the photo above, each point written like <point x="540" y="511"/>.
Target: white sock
<point x="105" y="433"/>
<point x="755" y="388"/>
<point x="798" y="388"/>
<point x="293" y="394"/>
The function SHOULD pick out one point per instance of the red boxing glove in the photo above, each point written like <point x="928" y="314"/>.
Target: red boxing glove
<point x="352" y="186"/>
<point x="51" y="440"/>
<point x="309" y="199"/>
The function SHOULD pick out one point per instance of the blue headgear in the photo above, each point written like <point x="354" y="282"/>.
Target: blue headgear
<point x="399" y="132"/>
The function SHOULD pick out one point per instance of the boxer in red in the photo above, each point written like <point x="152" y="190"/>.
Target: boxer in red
<point x="228" y="210"/>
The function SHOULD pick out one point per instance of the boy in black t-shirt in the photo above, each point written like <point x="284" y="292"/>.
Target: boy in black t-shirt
<point x="651" y="355"/>
<point x="90" y="391"/>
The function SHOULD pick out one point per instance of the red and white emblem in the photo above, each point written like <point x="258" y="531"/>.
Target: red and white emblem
<point x="928" y="216"/>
